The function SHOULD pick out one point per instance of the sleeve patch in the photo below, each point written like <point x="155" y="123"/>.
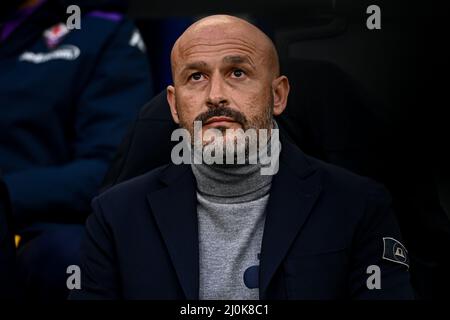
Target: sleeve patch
<point x="394" y="251"/>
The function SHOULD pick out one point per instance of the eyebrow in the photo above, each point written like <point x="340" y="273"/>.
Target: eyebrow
<point x="238" y="60"/>
<point x="195" y="65"/>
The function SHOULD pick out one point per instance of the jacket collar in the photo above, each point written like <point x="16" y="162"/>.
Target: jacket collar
<point x="175" y="210"/>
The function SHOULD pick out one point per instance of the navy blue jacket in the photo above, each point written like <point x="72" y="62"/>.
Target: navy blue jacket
<point x="324" y="227"/>
<point x="62" y="115"/>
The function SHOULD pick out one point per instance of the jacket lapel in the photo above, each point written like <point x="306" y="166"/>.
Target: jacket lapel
<point x="294" y="192"/>
<point x="175" y="211"/>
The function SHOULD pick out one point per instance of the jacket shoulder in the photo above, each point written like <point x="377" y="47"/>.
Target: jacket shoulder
<point x="347" y="183"/>
<point x="131" y="192"/>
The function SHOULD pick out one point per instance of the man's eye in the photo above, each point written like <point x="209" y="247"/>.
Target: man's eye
<point x="238" y="73"/>
<point x="196" y="76"/>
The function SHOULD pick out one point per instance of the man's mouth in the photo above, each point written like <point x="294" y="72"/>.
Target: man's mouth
<point x="219" y="121"/>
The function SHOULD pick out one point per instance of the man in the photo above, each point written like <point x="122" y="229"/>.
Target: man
<point x="67" y="96"/>
<point x="227" y="231"/>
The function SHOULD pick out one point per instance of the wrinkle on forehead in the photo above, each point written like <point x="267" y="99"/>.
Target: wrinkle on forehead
<point x="208" y="35"/>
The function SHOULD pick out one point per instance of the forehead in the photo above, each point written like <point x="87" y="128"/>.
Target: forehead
<point x="217" y="43"/>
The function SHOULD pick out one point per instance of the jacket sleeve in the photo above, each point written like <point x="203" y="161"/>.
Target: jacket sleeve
<point x="120" y="84"/>
<point x="379" y="261"/>
<point x="99" y="274"/>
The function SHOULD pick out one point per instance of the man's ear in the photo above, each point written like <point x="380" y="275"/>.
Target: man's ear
<point x="280" y="87"/>
<point x="172" y="103"/>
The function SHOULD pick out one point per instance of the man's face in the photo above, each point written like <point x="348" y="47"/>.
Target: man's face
<point x="224" y="80"/>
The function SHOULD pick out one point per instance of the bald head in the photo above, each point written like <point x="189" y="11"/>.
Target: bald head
<point x="212" y="32"/>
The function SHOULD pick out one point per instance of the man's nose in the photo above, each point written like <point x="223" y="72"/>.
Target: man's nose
<point x="216" y="95"/>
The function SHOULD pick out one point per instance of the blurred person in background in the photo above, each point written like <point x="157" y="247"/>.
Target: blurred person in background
<point x="67" y="97"/>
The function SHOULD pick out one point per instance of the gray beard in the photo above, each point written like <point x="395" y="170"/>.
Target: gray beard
<point x="251" y="154"/>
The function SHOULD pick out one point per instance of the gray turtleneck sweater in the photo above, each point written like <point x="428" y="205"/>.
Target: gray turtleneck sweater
<point x="231" y="203"/>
